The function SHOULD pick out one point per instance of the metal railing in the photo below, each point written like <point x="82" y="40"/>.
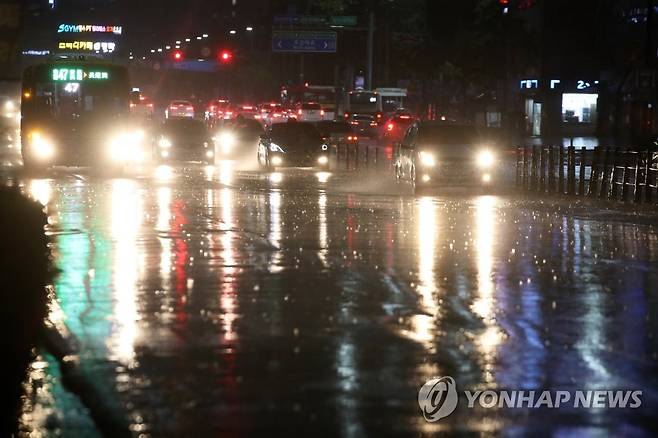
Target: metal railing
<point x="603" y="173"/>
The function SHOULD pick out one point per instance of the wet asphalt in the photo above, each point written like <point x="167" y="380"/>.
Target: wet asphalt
<point x="207" y="301"/>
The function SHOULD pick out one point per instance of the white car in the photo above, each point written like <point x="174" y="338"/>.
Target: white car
<point x="309" y="112"/>
<point x="180" y="108"/>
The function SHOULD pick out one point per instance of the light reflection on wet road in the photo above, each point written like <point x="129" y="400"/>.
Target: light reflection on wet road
<point x="207" y="300"/>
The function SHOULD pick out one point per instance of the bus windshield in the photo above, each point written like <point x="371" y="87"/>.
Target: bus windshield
<point x="85" y="91"/>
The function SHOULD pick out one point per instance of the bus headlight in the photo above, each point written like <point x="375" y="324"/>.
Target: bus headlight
<point x="164" y="143"/>
<point x="427" y="159"/>
<point x="42" y="148"/>
<point x="128" y="147"/>
<point x="486" y="159"/>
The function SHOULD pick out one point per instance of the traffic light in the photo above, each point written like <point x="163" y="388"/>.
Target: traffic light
<point x="177" y="55"/>
<point x="225" y="56"/>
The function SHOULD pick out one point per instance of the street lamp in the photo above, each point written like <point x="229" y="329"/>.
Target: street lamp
<point x="249" y="29"/>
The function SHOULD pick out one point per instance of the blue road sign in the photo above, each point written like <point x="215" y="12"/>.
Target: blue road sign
<point x="304" y="42"/>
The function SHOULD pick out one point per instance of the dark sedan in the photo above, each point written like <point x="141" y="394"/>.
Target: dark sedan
<point x="185" y="139"/>
<point x="293" y="144"/>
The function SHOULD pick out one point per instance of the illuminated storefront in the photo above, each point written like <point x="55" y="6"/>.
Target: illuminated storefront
<point x="557" y="107"/>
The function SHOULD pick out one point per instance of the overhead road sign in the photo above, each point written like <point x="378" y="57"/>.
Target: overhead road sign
<point x="314" y="20"/>
<point x="304" y="42"/>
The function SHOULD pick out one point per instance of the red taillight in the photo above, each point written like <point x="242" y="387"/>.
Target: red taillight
<point x="347" y="115"/>
<point x="390" y="127"/>
<point x="322" y="112"/>
<point x="405" y="117"/>
<point x="150" y="105"/>
<point x="299" y="112"/>
<point x="212" y="108"/>
<point x="276" y="115"/>
<point x="133" y="105"/>
<point x="189" y="108"/>
<point x="257" y="117"/>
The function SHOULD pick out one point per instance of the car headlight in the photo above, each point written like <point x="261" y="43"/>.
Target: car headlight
<point x="275" y="148"/>
<point x="42" y="148"/>
<point x="323" y="160"/>
<point x="128" y="147"/>
<point x="226" y="141"/>
<point x="486" y="159"/>
<point x="427" y="159"/>
<point x="209" y="154"/>
<point x="277" y="161"/>
<point x="164" y="143"/>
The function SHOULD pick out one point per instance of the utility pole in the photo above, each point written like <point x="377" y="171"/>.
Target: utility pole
<point x="371" y="44"/>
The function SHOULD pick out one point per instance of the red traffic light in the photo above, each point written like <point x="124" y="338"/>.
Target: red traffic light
<point x="178" y="55"/>
<point x="225" y="56"/>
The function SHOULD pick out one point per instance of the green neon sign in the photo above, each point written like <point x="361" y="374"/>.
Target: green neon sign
<point x="78" y="74"/>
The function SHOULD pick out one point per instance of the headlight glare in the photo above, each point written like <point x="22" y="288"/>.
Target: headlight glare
<point x="127" y="147"/>
<point x="41" y="147"/>
<point x="164" y="143"/>
<point x="427" y="159"/>
<point x="486" y="159"/>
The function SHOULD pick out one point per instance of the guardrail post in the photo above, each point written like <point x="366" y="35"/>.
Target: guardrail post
<point x="542" y="169"/>
<point x="561" y="170"/>
<point x="594" y="175"/>
<point x="535" y="164"/>
<point x="626" y="176"/>
<point x="647" y="180"/>
<point x="551" y="169"/>
<point x="637" y="192"/>
<point x="518" y="178"/>
<point x="571" y="170"/>
<point x="525" y="168"/>
<point x="581" y="171"/>
<point x="605" y="173"/>
<point x="613" y="192"/>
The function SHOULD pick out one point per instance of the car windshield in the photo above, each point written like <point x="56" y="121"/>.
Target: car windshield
<point x="247" y="126"/>
<point x="311" y="106"/>
<point x="328" y="128"/>
<point x="186" y="128"/>
<point x="291" y="134"/>
<point x="447" y="135"/>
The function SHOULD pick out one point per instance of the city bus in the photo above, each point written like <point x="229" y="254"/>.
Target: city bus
<point x="76" y="113"/>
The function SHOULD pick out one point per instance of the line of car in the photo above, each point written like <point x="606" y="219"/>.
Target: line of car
<point x="426" y="153"/>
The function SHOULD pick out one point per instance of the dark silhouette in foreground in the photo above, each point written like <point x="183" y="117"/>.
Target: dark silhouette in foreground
<point x="25" y="271"/>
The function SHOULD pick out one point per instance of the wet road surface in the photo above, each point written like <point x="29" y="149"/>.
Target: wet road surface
<point x="207" y="301"/>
